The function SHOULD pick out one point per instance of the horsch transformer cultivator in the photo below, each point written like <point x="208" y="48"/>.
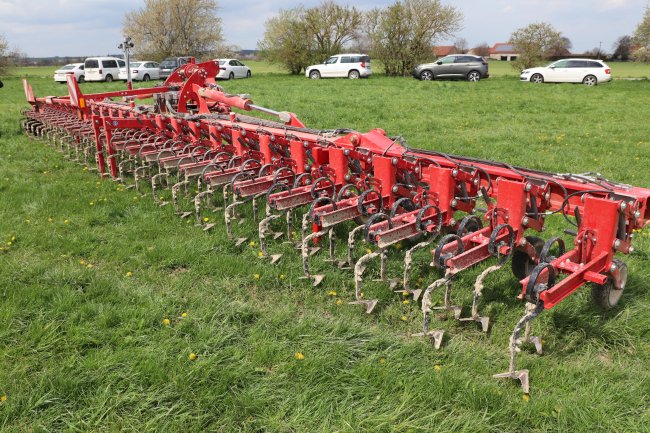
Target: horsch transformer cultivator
<point x="191" y="138"/>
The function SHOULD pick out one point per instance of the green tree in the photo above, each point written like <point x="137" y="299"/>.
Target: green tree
<point x="641" y="38"/>
<point x="402" y="34"/>
<point x="533" y="43"/>
<point x="299" y="37"/>
<point x="164" y="28"/>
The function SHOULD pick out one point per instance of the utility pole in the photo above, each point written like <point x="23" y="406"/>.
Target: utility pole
<point x="126" y="46"/>
<point x="600" y="47"/>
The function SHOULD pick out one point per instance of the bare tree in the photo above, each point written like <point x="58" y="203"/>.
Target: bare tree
<point x="482" y="50"/>
<point x="164" y="28"/>
<point x="402" y="34"/>
<point x="461" y="46"/>
<point x="622" y="48"/>
<point x="8" y="56"/>
<point x="533" y="43"/>
<point x="332" y="26"/>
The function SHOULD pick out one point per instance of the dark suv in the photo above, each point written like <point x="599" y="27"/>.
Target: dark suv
<point x="168" y="65"/>
<point x="466" y="66"/>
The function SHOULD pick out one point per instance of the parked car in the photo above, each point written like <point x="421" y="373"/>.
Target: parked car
<point x="102" y="68"/>
<point x="73" y="68"/>
<point x="141" y="71"/>
<point x="168" y="65"/>
<point x="586" y="71"/>
<point x="352" y="66"/>
<point x="232" y="68"/>
<point x="472" y="68"/>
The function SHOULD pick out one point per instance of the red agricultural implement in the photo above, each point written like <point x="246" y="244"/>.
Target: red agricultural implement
<point x="192" y="137"/>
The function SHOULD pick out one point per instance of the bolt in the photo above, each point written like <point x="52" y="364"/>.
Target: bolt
<point x="305" y="144"/>
<point x="623" y="206"/>
<point x="243" y="133"/>
<point x="369" y="160"/>
<point x="347" y="177"/>
<point x="394" y="161"/>
<point x="454" y="172"/>
<point x="637" y="214"/>
<point x="219" y="128"/>
<point x="476" y="181"/>
<point x="547" y="196"/>
<point x="613" y="267"/>
<point x="417" y="169"/>
<point x="454" y="202"/>
<point x="395" y="189"/>
<point x="272" y="137"/>
<point x="617" y="243"/>
<point x="346" y="152"/>
<point x="306" y="166"/>
<point x="524" y="222"/>
<point x="528" y="187"/>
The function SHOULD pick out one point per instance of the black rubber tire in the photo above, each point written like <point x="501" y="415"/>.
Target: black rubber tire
<point x="522" y="265"/>
<point x="248" y="74"/>
<point x="314" y="75"/>
<point x="426" y="75"/>
<point x="81" y="79"/>
<point x="108" y="78"/>
<point x="590" y="80"/>
<point x="474" y="76"/>
<point x="354" y="75"/>
<point x="146" y="77"/>
<point x="231" y="76"/>
<point x="606" y="296"/>
<point x="537" y="78"/>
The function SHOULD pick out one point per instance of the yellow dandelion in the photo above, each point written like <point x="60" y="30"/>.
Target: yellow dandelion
<point x="404" y="318"/>
<point x="332" y="293"/>
<point x="437" y="367"/>
<point x="282" y="276"/>
<point x="382" y="360"/>
<point x="192" y="356"/>
<point x="183" y="315"/>
<point x="368" y="251"/>
<point x="206" y="219"/>
<point x="166" y="322"/>
<point x="129" y="274"/>
<point x="9" y="243"/>
<point x="405" y="301"/>
<point x="97" y="183"/>
<point x="89" y="265"/>
<point x="339" y="302"/>
<point x="256" y="276"/>
<point x="82" y="262"/>
<point x="49" y="220"/>
<point x="405" y="294"/>
<point x="252" y="244"/>
<point x="135" y="197"/>
<point x="525" y="397"/>
<point x="13" y="238"/>
<point x="28" y="221"/>
<point x="92" y="203"/>
<point x="3" y="398"/>
<point x="66" y="221"/>
<point x="299" y="356"/>
<point x="2" y="248"/>
<point x="260" y="254"/>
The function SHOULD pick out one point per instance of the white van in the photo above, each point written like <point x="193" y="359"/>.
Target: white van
<point x="103" y="68"/>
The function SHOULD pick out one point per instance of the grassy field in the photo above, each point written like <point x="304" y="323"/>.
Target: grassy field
<point x="90" y="272"/>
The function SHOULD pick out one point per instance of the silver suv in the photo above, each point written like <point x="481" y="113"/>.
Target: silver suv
<point x="471" y="68"/>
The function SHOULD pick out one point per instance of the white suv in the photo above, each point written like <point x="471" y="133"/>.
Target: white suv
<point x="341" y="65"/>
<point x="585" y="71"/>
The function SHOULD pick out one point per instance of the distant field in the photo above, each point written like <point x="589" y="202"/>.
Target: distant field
<point x="90" y="271"/>
<point x="497" y="69"/>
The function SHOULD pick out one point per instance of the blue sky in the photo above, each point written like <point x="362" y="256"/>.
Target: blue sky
<point x="86" y="27"/>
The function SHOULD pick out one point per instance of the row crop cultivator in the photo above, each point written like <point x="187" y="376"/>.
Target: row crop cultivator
<point x="191" y="138"/>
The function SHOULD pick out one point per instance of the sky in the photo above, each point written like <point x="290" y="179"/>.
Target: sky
<point x="44" y="28"/>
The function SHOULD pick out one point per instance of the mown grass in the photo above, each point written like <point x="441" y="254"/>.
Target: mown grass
<point x="95" y="269"/>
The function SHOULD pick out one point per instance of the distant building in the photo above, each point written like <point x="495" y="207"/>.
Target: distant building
<point x="503" y="51"/>
<point x="444" y="50"/>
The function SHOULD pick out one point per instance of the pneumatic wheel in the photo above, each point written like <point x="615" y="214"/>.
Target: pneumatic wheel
<point x="231" y="76"/>
<point x="353" y="74"/>
<point x="109" y="78"/>
<point x="81" y="79"/>
<point x="146" y="77"/>
<point x="607" y="295"/>
<point x="314" y="75"/>
<point x="590" y="80"/>
<point x="248" y="74"/>
<point x="537" y="79"/>
<point x="522" y="264"/>
<point x="426" y="76"/>
<point x="474" y="76"/>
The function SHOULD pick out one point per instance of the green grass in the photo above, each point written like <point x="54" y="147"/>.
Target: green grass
<point x="84" y="348"/>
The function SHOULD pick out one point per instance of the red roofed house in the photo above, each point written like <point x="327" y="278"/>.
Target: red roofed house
<point x="503" y="51"/>
<point x="443" y="50"/>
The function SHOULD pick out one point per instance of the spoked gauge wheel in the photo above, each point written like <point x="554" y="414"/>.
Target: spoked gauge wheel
<point x="537" y="79"/>
<point x="590" y="80"/>
<point x="607" y="295"/>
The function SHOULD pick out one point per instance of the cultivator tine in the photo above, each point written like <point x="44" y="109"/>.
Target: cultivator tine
<point x="305" y="253"/>
<point x="154" y="187"/>
<point x="408" y="262"/>
<point x="359" y="269"/>
<point x="228" y="216"/>
<point x="532" y="311"/>
<point x="351" y="245"/>
<point x="198" y="200"/>
<point x="478" y="290"/>
<point x="263" y="229"/>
